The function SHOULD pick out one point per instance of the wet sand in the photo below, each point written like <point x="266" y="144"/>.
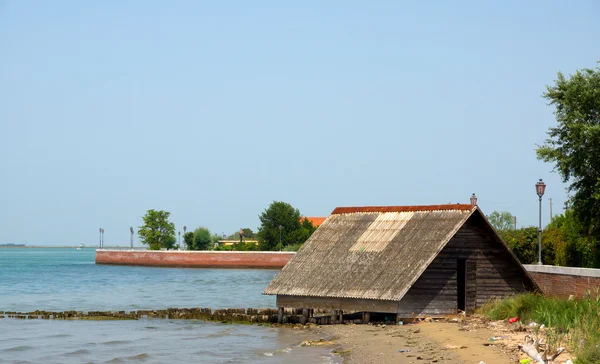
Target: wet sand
<point x="455" y="341"/>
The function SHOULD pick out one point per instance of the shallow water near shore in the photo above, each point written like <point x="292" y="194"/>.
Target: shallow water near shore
<point x="68" y="279"/>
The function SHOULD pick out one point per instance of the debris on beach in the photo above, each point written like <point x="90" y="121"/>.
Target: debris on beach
<point x="454" y="347"/>
<point x="536" y="350"/>
<point x="320" y="342"/>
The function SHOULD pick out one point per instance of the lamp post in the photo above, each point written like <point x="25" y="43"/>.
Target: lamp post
<point x="280" y="228"/>
<point x="184" y="230"/>
<point x="473" y="200"/>
<point x="179" y="244"/>
<point x="131" y="237"/>
<point x="540" y="188"/>
<point x="100" y="238"/>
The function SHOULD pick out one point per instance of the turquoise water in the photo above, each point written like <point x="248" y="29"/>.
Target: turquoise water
<point x="67" y="279"/>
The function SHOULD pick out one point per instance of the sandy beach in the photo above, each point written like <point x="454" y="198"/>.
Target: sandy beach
<point x="453" y="341"/>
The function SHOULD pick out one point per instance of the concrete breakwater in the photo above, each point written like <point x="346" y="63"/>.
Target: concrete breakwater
<point x="195" y="259"/>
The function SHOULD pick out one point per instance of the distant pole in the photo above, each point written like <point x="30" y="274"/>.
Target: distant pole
<point x="102" y="234"/>
<point x="515" y="222"/>
<point x="280" y="228"/>
<point x="540" y="188"/>
<point x="184" y="230"/>
<point x="131" y="238"/>
<point x="550" y="209"/>
<point x="179" y="244"/>
<point x="100" y="238"/>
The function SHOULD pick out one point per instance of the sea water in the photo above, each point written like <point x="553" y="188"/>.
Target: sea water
<point x="57" y="279"/>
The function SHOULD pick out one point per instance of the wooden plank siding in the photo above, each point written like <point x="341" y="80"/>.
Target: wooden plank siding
<point x="491" y="272"/>
<point x="333" y="303"/>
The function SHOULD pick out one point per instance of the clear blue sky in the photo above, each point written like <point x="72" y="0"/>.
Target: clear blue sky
<point x="212" y="110"/>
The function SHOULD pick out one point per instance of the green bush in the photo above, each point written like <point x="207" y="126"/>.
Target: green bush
<point x="565" y="242"/>
<point x="292" y="248"/>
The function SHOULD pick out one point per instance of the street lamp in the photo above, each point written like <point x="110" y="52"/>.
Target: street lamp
<point x="184" y="230"/>
<point x="473" y="200"/>
<point x="100" y="238"/>
<point x="179" y="244"/>
<point x="280" y="228"/>
<point x="131" y="237"/>
<point x="540" y="188"/>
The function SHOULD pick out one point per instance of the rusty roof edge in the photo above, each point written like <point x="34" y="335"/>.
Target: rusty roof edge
<point x="433" y="256"/>
<point x="331" y="296"/>
<point x="358" y="209"/>
<point x="535" y="285"/>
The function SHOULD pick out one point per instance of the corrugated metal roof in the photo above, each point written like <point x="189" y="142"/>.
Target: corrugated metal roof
<point x="370" y="252"/>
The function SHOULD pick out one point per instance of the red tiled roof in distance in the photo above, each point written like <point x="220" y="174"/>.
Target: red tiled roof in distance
<point x="350" y="210"/>
<point x="316" y="221"/>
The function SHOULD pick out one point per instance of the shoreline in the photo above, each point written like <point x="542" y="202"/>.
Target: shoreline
<point x="452" y="340"/>
<point x="447" y="341"/>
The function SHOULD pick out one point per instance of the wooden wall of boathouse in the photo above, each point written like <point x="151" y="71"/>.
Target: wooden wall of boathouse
<point x="491" y="271"/>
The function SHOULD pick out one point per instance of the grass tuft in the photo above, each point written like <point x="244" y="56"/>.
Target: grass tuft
<point x="576" y="320"/>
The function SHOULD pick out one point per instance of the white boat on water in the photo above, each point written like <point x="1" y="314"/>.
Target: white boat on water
<point x="80" y="246"/>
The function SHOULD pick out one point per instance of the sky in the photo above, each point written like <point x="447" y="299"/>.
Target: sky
<point x="212" y="110"/>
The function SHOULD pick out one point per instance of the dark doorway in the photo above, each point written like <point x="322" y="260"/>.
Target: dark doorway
<point x="461" y="284"/>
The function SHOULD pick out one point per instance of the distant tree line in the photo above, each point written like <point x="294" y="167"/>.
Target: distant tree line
<point x="282" y="228"/>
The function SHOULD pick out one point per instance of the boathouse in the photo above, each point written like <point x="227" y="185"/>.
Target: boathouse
<point x="407" y="260"/>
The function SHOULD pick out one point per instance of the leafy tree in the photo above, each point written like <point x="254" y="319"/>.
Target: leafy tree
<point x="170" y="242"/>
<point x="301" y="235"/>
<point x="279" y="214"/>
<point x="157" y="232"/>
<point x="214" y="239"/>
<point x="502" y="220"/>
<point x="188" y="239"/>
<point x="575" y="248"/>
<point x="201" y="239"/>
<point x="523" y="242"/>
<point x="574" y="148"/>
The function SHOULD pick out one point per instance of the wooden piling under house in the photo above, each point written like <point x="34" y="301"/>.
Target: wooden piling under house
<point x="411" y="261"/>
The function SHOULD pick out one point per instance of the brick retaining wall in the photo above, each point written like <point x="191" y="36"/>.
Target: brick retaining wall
<point x="565" y="281"/>
<point x="195" y="259"/>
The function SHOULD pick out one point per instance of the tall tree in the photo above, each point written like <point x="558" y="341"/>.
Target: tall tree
<point x="188" y="240"/>
<point x="279" y="214"/>
<point x="157" y="232"/>
<point x="202" y="239"/>
<point x="574" y="146"/>
<point x="502" y="220"/>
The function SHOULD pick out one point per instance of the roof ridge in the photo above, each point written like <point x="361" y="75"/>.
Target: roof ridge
<point x="445" y="207"/>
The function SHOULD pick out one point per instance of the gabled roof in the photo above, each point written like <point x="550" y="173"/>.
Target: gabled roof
<point x="370" y="252"/>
